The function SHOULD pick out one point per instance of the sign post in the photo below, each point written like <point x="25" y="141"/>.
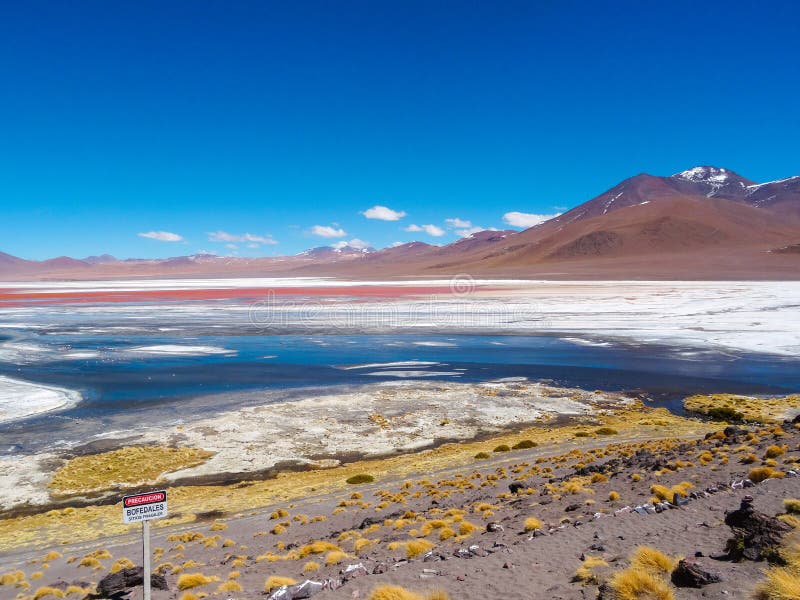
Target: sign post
<point x="142" y="508"/>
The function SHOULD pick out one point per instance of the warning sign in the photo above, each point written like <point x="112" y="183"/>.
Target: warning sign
<point x="143" y="507"/>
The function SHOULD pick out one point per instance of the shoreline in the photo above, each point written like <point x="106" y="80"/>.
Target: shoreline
<point x="398" y="417"/>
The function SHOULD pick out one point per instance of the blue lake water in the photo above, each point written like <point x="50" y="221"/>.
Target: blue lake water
<point x="116" y="382"/>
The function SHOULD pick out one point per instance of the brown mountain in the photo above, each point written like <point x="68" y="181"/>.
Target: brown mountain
<point x="703" y="223"/>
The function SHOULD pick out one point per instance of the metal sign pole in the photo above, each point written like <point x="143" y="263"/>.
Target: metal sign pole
<point x="146" y="557"/>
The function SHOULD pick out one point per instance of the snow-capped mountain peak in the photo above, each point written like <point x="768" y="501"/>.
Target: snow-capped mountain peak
<point x="710" y="174"/>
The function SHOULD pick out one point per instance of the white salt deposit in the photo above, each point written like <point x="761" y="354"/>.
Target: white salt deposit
<point x="180" y="350"/>
<point x="20" y="399"/>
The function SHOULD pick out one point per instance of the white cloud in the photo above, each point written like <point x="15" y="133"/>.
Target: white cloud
<point x="354" y="243"/>
<point x="458" y="223"/>
<point x="328" y="232"/>
<point x="224" y="236"/>
<point x="232" y="246"/>
<point x="521" y="219"/>
<point x="382" y="213"/>
<point x="162" y="236"/>
<point x="429" y="229"/>
<point x="396" y="244"/>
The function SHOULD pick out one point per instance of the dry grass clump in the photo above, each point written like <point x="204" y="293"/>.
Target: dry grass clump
<point x="646" y="578"/>
<point x="335" y="557"/>
<point x="613" y="496"/>
<point x="760" y="474"/>
<point x="121" y="563"/>
<point x="584" y="573"/>
<point x="188" y="581"/>
<point x="524" y="445"/>
<point x="230" y="586"/>
<point x="280" y="513"/>
<point x="792" y="505"/>
<point x="395" y="592"/>
<point x="783" y="583"/>
<point x="652" y="560"/>
<point x="360" y="478"/>
<point x="316" y="547"/>
<point x="12" y="578"/>
<point x="413" y="548"/>
<point x="775" y="451"/>
<point x="310" y="566"/>
<point x="47" y="591"/>
<point x="76" y="590"/>
<point x="125" y="467"/>
<point x="275" y="581"/>
<point x="606" y="431"/>
<point x="638" y="584"/>
<point x="532" y="524"/>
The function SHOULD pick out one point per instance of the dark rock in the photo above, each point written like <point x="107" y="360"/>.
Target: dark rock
<point x="572" y="507"/>
<point x="796" y="419"/>
<point x="494" y="527"/>
<point x="516" y="487"/>
<point x="116" y="584"/>
<point x="691" y="573"/>
<point x="732" y="431"/>
<point x="597" y="547"/>
<point x="756" y="536"/>
<point x="380" y="568"/>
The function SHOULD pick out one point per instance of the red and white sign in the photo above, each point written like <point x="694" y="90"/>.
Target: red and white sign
<point x="143" y="507"/>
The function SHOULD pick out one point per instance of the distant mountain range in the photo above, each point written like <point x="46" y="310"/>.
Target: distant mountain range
<point x="703" y="223"/>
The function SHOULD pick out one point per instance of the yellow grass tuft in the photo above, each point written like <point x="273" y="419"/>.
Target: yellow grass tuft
<point x="790" y="520"/>
<point x="362" y="544"/>
<point x="335" y="557"/>
<point x="416" y="548"/>
<point x="613" y="496"/>
<point x="48" y="592"/>
<point x="229" y="586"/>
<point x="775" y="451"/>
<point x="395" y="592"/>
<point x="275" y="581"/>
<point x="281" y="513"/>
<point x="760" y="474"/>
<point x="638" y="584"/>
<point x="310" y="566"/>
<point x="792" y="505"/>
<point x="188" y="581"/>
<point x="75" y="590"/>
<point x="584" y="573"/>
<point x="779" y="584"/>
<point x="651" y="560"/>
<point x="532" y="524"/>
<point x="121" y="563"/>
<point x="12" y="578"/>
<point x="51" y="556"/>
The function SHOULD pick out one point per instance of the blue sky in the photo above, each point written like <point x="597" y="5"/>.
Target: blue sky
<point x="241" y="123"/>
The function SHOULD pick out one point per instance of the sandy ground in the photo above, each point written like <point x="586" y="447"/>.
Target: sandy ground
<point x="507" y="562"/>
